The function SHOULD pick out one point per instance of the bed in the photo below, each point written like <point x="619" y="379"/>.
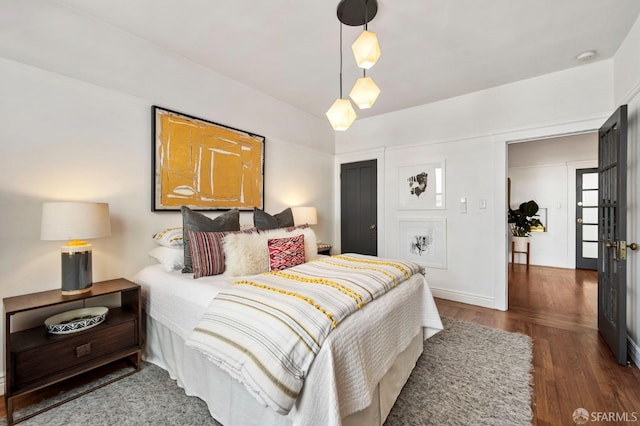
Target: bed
<point x="355" y="378"/>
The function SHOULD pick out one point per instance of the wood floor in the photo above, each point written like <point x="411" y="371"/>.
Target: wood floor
<point x="573" y="367"/>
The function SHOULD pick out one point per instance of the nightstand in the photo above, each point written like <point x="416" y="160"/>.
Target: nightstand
<point x="324" y="248"/>
<point x="35" y="359"/>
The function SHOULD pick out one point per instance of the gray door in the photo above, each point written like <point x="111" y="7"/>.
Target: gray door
<point x="359" y="207"/>
<point x="587" y="219"/>
<point x="612" y="217"/>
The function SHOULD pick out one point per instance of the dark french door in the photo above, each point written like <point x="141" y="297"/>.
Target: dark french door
<point x="587" y="219"/>
<point x="612" y="246"/>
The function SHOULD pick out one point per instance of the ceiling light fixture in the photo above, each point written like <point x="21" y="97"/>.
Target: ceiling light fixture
<point x="586" y="56"/>
<point x="341" y="114"/>
<point x="366" y="50"/>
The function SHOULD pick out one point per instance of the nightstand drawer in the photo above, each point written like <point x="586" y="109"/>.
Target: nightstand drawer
<point x="63" y="352"/>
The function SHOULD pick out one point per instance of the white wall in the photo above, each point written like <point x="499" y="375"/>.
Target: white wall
<point x="75" y="128"/>
<point x="627" y="91"/>
<point x="68" y="140"/>
<point x="544" y="171"/>
<point x="471" y="133"/>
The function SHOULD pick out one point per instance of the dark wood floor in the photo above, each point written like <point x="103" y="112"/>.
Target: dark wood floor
<point x="573" y="367"/>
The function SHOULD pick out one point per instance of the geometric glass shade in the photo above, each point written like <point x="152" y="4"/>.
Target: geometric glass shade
<point x="365" y="92"/>
<point x="341" y="114"/>
<point x="366" y="49"/>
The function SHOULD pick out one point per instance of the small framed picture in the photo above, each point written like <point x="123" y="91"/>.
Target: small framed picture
<point x="424" y="241"/>
<point x="421" y="186"/>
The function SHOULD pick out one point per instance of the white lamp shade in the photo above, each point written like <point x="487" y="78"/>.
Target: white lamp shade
<point x="74" y="221"/>
<point x="366" y="49"/>
<point x="341" y="115"/>
<point x="364" y="93"/>
<point x="302" y="215"/>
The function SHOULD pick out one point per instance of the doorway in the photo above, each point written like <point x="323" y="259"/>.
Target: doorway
<point x="545" y="171"/>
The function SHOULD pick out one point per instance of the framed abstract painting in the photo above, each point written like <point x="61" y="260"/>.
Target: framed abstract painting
<point x="421" y="186"/>
<point x="424" y="241"/>
<point x="204" y="165"/>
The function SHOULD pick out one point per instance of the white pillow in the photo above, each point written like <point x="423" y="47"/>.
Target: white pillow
<point x="170" y="237"/>
<point x="172" y="258"/>
<point x="248" y="254"/>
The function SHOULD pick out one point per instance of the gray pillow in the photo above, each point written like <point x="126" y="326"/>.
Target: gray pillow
<point x="197" y="222"/>
<point x="264" y="221"/>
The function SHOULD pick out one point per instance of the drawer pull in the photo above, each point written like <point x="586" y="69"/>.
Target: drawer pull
<point x="83" y="350"/>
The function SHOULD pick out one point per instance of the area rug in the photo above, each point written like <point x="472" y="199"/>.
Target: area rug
<point x="468" y="374"/>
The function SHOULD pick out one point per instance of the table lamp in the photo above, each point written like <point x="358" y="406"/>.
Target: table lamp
<point x="302" y="215"/>
<point x="75" y="222"/>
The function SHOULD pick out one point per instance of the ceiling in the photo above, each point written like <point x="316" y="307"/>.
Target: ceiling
<point x="431" y="49"/>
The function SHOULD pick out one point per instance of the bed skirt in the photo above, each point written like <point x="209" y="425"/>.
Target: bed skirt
<point x="229" y="402"/>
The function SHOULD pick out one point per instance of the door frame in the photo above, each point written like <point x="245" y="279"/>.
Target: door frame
<point x="374" y="154"/>
<point x="574" y="127"/>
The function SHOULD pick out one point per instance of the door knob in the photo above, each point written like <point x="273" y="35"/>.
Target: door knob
<point x="633" y="246"/>
<point x="372" y="227"/>
<point x="580" y="203"/>
<point x="580" y="220"/>
<point x="609" y="244"/>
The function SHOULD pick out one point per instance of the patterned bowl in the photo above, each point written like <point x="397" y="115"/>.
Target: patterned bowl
<point x="75" y="320"/>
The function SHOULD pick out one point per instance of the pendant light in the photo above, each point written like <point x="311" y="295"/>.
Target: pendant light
<point x="364" y="92"/>
<point x="341" y="115"/>
<point x="366" y="49"/>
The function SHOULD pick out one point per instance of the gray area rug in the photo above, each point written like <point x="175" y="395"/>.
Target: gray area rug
<point x="468" y="374"/>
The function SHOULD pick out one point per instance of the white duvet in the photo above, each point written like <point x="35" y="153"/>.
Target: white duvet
<point x="350" y="364"/>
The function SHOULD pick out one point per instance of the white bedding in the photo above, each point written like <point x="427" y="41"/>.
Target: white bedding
<point x="345" y="375"/>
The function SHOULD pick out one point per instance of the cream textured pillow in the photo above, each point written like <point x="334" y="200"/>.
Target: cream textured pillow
<point x="248" y="254"/>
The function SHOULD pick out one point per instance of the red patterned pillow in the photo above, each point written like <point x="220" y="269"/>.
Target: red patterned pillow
<point x="285" y="252"/>
<point x="207" y="251"/>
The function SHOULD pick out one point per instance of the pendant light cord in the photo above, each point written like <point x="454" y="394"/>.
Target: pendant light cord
<point x="340" y="60"/>
<point x="366" y="21"/>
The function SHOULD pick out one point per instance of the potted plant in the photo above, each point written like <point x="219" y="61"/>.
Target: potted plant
<point x="521" y="221"/>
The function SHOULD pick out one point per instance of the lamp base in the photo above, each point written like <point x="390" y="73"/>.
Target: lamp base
<point x="76" y="269"/>
<point x="72" y="292"/>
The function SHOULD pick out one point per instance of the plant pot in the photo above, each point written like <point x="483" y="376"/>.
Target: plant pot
<point x="520" y="243"/>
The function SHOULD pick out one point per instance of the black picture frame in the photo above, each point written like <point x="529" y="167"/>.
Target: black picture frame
<point x="185" y="148"/>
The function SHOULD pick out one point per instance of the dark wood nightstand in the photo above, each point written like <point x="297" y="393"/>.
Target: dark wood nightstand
<point x="324" y="248"/>
<point x="35" y="359"/>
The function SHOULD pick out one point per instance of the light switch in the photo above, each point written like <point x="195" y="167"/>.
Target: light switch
<point x="483" y="203"/>
<point x="463" y="205"/>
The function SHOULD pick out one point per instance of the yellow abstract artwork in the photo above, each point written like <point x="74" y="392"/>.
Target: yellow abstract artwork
<point x="204" y="165"/>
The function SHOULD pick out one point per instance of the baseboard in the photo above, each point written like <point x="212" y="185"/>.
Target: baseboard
<point x="463" y="297"/>
<point x="634" y="351"/>
<point x="2" y="385"/>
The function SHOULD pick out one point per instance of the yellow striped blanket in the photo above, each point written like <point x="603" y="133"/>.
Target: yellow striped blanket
<point x="267" y="329"/>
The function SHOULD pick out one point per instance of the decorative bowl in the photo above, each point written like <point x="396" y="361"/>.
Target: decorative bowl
<point x="76" y="320"/>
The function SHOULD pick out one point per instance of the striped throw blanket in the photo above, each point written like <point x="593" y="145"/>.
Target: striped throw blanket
<point x="267" y="329"/>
